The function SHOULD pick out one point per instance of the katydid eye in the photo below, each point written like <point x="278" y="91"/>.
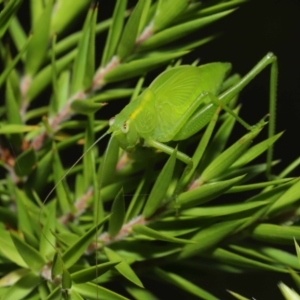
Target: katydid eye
<point x="111" y="121"/>
<point x="125" y="127"/>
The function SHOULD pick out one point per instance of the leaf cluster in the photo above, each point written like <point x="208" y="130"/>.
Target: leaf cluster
<point x="117" y="217"/>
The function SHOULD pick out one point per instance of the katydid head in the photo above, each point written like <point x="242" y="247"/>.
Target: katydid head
<point x="123" y="129"/>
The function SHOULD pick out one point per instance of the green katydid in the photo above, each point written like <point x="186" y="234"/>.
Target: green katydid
<point x="180" y="102"/>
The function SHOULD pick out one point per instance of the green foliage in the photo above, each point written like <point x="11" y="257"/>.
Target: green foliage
<point x="120" y="217"/>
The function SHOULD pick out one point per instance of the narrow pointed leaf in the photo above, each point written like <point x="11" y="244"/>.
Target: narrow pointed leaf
<point x="183" y="284"/>
<point x="273" y="194"/>
<point x="57" y="266"/>
<point x="252" y="252"/>
<point x="256" y="150"/>
<point x="114" y="94"/>
<point x="7" y="13"/>
<point x="145" y="16"/>
<point x="138" y="293"/>
<point x="4" y="73"/>
<point x="44" y="77"/>
<point x="276" y="234"/>
<point x="39" y="176"/>
<point x="14" y="128"/>
<point x="130" y="32"/>
<point x="63" y="86"/>
<point x="239" y="260"/>
<point x="61" y="185"/>
<point x="237" y="296"/>
<point x="24" y="212"/>
<point x="205" y="193"/>
<point x="9" y="251"/>
<point x="90" y="61"/>
<point x="12" y="106"/>
<point x="200" y="150"/>
<point x="38" y="45"/>
<point x="73" y="253"/>
<point x="90" y="273"/>
<point x="30" y="255"/>
<point x="281" y="256"/>
<point x="179" y="31"/>
<point x="85" y="107"/>
<point x="209" y="237"/>
<point x="123" y="267"/>
<point x="114" y="32"/>
<point x="250" y="187"/>
<point x="138" y="200"/>
<point x="117" y="216"/>
<point x="79" y="66"/>
<point x="140" y="66"/>
<point x="287" y="200"/>
<point x="142" y="229"/>
<point x="224" y="210"/>
<point x="75" y="295"/>
<point x="89" y="168"/>
<point x="160" y="187"/>
<point x="66" y="12"/>
<point x="36" y="9"/>
<point x="217" y="145"/>
<point x="10" y="278"/>
<point x="22" y="287"/>
<point x="55" y="294"/>
<point x="30" y="238"/>
<point x="287" y="292"/>
<point x="105" y="174"/>
<point x="25" y="162"/>
<point x="295" y="277"/>
<point x="229" y="156"/>
<point x="297" y="250"/>
<point x="66" y="282"/>
<point x="167" y="11"/>
<point x="9" y="217"/>
<point x="111" y="159"/>
<point x="54" y="104"/>
<point x="13" y="113"/>
<point x="71" y="40"/>
<point x="91" y="290"/>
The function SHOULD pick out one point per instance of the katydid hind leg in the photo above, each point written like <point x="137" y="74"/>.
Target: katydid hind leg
<point x="215" y="100"/>
<point x="269" y="59"/>
<point x="201" y="117"/>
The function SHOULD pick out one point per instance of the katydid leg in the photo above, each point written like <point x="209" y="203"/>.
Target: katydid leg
<point x="201" y="117"/>
<point x="269" y="59"/>
<point x="169" y="150"/>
